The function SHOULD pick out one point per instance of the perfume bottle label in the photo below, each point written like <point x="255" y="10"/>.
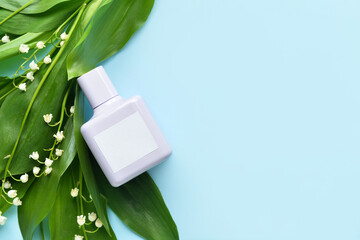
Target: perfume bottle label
<point x="126" y="142"/>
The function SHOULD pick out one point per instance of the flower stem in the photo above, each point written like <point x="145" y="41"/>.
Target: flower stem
<point x="81" y="203"/>
<point x="17" y="11"/>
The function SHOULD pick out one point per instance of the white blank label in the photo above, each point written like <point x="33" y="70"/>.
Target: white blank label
<point x="126" y="141"/>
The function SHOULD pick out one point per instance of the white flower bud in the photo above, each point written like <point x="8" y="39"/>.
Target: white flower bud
<point x="33" y="65"/>
<point x="59" y="152"/>
<point x="5" y="39"/>
<point x="34" y="155"/>
<point x="2" y="219"/>
<point x="78" y="237"/>
<point x="64" y="36"/>
<point x="98" y="223"/>
<point x="22" y="87"/>
<point x="74" y="192"/>
<point x="36" y="170"/>
<point x="72" y="109"/>
<point x="59" y="136"/>
<point x="12" y="193"/>
<point x="48" y="170"/>
<point x="81" y="220"/>
<point x="17" y="202"/>
<point x="48" y="118"/>
<point x="30" y="76"/>
<point x="48" y="162"/>
<point x="62" y="43"/>
<point x="40" y="45"/>
<point x="24" y="178"/>
<point x="92" y="216"/>
<point x="7" y="185"/>
<point x="24" y="48"/>
<point x="47" y="59"/>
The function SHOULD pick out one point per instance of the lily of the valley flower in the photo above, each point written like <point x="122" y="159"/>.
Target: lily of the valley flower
<point x="48" y="162"/>
<point x="64" y="36"/>
<point x="74" y="192"/>
<point x="36" y="170"/>
<point x="24" y="178"/>
<point x="40" y="45"/>
<point x="33" y="65"/>
<point x="62" y="43"/>
<point x="12" y="193"/>
<point x="30" y="76"/>
<point x="17" y="202"/>
<point x="48" y="170"/>
<point x="58" y="152"/>
<point x="2" y="219"/>
<point x="72" y="109"/>
<point x="5" y="39"/>
<point x="22" y="87"/>
<point x="48" y="117"/>
<point x="59" y="136"/>
<point x="47" y="59"/>
<point x="98" y="223"/>
<point x="92" y="216"/>
<point x="78" y="237"/>
<point x="7" y="185"/>
<point x="34" y="155"/>
<point x="24" y="48"/>
<point x="81" y="220"/>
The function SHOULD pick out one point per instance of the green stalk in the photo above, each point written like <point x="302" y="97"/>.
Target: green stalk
<point x="81" y="203"/>
<point x="38" y="90"/>
<point x="17" y="11"/>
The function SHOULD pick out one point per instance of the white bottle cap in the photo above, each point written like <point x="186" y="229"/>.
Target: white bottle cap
<point x="97" y="86"/>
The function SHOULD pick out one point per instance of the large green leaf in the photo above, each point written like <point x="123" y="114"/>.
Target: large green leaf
<point x="139" y="205"/>
<point x="84" y="159"/>
<point x="37" y="6"/>
<point x="62" y="218"/>
<point x="66" y="209"/>
<point x="112" y="26"/>
<point x="51" y="19"/>
<point x="12" y="48"/>
<point x="40" y="198"/>
<point x="36" y="130"/>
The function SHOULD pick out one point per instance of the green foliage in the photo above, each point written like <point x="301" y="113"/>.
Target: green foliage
<point x="112" y="26"/>
<point x="40" y="198"/>
<point x="42" y="22"/>
<point x="38" y="6"/>
<point x="22" y="128"/>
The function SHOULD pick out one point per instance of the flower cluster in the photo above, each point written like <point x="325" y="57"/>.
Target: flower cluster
<point x="33" y="66"/>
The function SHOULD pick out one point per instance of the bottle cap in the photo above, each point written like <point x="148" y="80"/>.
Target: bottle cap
<point x="97" y="86"/>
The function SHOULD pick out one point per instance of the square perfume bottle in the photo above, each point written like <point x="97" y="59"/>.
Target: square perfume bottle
<point x="122" y="134"/>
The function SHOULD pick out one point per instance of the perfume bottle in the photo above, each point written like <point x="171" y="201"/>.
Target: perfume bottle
<point x="122" y="134"/>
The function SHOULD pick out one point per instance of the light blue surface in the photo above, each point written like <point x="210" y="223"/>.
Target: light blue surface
<point x="260" y="102"/>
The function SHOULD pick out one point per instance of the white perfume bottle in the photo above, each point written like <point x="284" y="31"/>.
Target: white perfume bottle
<point x="122" y="134"/>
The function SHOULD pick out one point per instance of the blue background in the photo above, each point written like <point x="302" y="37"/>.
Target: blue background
<point x="260" y="102"/>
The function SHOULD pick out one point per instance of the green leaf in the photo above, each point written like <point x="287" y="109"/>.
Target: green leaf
<point x="112" y="26"/>
<point x="35" y="130"/>
<point x="12" y="48"/>
<point x="84" y="159"/>
<point x="12" y="112"/>
<point x="139" y="205"/>
<point x="40" y="198"/>
<point x="36" y="7"/>
<point x="66" y="209"/>
<point x="62" y="218"/>
<point x="49" y="20"/>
